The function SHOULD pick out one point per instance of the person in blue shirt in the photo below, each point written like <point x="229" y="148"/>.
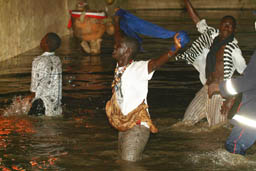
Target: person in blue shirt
<point x="243" y="134"/>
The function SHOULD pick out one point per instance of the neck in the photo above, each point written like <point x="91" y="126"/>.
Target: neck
<point x="223" y="38"/>
<point x="48" y="53"/>
<point x="124" y="63"/>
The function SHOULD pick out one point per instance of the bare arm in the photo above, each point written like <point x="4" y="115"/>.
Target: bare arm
<point x="157" y="62"/>
<point x="117" y="34"/>
<point x="193" y="14"/>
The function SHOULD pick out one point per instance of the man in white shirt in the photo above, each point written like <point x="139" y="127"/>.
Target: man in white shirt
<point x="127" y="110"/>
<point x="46" y="81"/>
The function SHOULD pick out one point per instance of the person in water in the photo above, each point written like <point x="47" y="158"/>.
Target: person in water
<point x="216" y="55"/>
<point x="243" y="134"/>
<point x="46" y="81"/>
<point x="127" y="110"/>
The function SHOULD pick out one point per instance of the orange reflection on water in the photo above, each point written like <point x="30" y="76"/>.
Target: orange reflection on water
<point x="4" y="168"/>
<point x="17" y="168"/>
<point x="10" y="125"/>
<point x="81" y="121"/>
<point x="43" y="164"/>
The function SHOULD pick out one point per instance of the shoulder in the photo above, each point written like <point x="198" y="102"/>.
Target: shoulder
<point x="233" y="46"/>
<point x="203" y="27"/>
<point x="139" y="64"/>
<point x="56" y="59"/>
<point x="38" y="59"/>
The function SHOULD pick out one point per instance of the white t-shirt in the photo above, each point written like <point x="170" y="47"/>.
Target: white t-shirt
<point x="132" y="90"/>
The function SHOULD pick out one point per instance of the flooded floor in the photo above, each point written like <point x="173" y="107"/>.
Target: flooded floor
<point x="84" y="140"/>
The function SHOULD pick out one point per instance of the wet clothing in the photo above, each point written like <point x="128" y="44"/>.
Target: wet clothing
<point x="125" y="122"/>
<point x="132" y="26"/>
<point x="37" y="108"/>
<point x="196" y="55"/>
<point x="127" y="110"/>
<point x="132" y="90"/>
<point x="202" y="106"/>
<point x="240" y="139"/>
<point x="243" y="136"/>
<point x="47" y="82"/>
<point x="132" y="142"/>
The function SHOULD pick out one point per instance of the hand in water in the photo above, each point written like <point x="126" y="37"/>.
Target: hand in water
<point x="227" y="106"/>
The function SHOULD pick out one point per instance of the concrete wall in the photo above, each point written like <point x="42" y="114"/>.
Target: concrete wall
<point x="177" y="4"/>
<point x="24" y="22"/>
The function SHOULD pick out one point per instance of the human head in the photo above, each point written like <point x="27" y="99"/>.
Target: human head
<point x="227" y="26"/>
<point x="50" y="42"/>
<point x="126" y="50"/>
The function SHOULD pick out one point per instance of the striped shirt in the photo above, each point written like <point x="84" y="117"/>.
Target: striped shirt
<point x="197" y="53"/>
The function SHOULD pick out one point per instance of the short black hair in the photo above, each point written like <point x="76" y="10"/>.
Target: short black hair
<point x="133" y="44"/>
<point x="53" y="41"/>
<point x="230" y="17"/>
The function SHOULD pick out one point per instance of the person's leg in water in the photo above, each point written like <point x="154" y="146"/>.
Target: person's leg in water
<point x="37" y="108"/>
<point x="240" y="140"/>
<point x="197" y="108"/>
<point x="132" y="142"/>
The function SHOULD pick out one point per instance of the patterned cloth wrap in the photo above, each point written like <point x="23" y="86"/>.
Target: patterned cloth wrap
<point x="132" y="26"/>
<point x="124" y="122"/>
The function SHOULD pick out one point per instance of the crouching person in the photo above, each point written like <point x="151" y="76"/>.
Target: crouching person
<point x="127" y="110"/>
<point x="243" y="134"/>
<point x="46" y="82"/>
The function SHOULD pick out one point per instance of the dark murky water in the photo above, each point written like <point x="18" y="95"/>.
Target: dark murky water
<point x="83" y="140"/>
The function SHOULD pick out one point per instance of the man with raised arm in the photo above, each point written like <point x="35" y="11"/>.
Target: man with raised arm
<point x="216" y="55"/>
<point x="127" y="110"/>
<point x="243" y="134"/>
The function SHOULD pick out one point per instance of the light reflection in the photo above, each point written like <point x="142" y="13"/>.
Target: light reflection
<point x="10" y="125"/>
<point x="45" y="164"/>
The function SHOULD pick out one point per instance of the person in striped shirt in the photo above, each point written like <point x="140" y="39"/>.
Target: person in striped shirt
<point x="216" y="55"/>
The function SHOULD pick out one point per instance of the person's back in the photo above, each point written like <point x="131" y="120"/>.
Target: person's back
<point x="46" y="81"/>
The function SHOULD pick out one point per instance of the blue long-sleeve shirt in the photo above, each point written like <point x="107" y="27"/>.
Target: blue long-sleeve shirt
<point x="245" y="84"/>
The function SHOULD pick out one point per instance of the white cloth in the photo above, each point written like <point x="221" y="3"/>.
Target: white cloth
<point x="132" y="90"/>
<point x="239" y="63"/>
<point x="46" y="82"/>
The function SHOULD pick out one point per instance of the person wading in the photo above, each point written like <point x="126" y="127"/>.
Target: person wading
<point x="216" y="55"/>
<point x="127" y="110"/>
